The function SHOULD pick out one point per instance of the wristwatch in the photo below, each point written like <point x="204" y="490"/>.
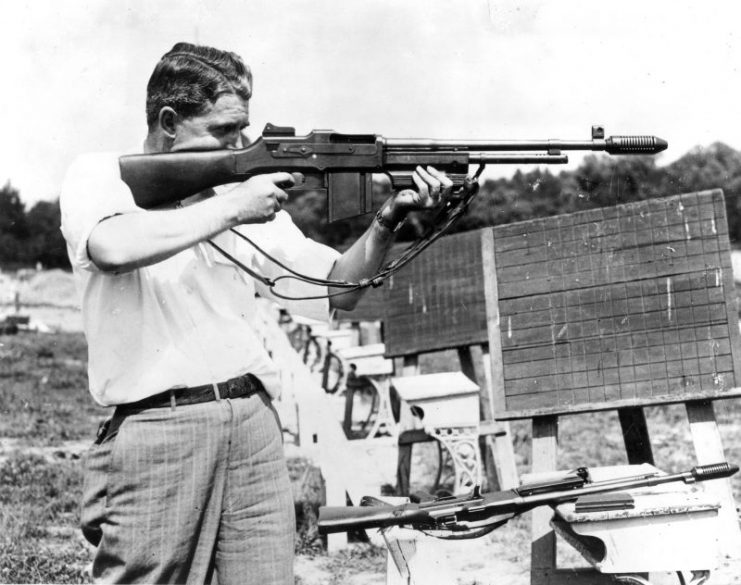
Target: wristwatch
<point x="391" y="226"/>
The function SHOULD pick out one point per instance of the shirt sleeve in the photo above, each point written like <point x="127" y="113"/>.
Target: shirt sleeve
<point x="282" y="240"/>
<point x="91" y="192"/>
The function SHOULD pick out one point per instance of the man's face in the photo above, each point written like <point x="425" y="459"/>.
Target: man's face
<point x="219" y="126"/>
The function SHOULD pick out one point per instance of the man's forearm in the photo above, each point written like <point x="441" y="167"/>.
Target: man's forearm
<point x="133" y="240"/>
<point x="361" y="260"/>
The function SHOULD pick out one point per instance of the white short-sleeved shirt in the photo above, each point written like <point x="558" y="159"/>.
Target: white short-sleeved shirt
<point x="187" y="320"/>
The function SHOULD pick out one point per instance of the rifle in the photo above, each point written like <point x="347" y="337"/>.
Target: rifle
<point x="341" y="165"/>
<point x="478" y="514"/>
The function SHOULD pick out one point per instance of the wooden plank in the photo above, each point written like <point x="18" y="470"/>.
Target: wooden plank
<point x="494" y="346"/>
<point x="709" y="450"/>
<point x="500" y="442"/>
<point x="608" y="221"/>
<point x="635" y="436"/>
<point x="586" y="576"/>
<point x="411" y="366"/>
<point x="531" y="281"/>
<point x="729" y="287"/>
<point x="487" y="448"/>
<point x="416" y="558"/>
<point x="703" y="286"/>
<point x="528" y="407"/>
<point x="648" y="347"/>
<point x="543" y="538"/>
<point x="640" y="262"/>
<point x="465" y="358"/>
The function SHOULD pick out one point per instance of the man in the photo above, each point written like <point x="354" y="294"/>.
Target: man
<point x="188" y="476"/>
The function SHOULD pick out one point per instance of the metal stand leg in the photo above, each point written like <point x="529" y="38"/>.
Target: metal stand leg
<point x="696" y="578"/>
<point x="463" y="445"/>
<point x="384" y="424"/>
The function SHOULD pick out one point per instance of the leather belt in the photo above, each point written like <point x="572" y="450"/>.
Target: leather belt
<point x="242" y="386"/>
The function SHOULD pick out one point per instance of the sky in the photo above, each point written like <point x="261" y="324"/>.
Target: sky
<point x="75" y="71"/>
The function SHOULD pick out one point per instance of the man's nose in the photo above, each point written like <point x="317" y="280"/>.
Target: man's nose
<point x="234" y="141"/>
<point x="237" y="141"/>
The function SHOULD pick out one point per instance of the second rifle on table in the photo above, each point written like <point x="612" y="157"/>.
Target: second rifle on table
<point x="478" y="514"/>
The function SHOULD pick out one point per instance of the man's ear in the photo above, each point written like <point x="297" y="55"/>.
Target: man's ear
<point x="168" y="121"/>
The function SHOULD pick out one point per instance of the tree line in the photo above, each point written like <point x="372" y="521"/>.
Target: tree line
<point x="28" y="237"/>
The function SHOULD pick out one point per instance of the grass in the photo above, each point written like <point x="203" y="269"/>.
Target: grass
<point x="339" y="568"/>
<point x="43" y="389"/>
<point x="44" y="403"/>
<point x="38" y="521"/>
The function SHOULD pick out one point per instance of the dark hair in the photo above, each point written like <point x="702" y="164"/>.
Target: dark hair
<point x="189" y="77"/>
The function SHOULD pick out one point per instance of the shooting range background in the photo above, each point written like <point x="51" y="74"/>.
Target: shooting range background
<point x="77" y="70"/>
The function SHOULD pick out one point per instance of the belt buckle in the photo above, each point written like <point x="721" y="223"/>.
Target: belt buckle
<point x="233" y="386"/>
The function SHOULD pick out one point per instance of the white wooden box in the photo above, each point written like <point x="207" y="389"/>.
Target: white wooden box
<point x="673" y="527"/>
<point x="368" y="359"/>
<point x="339" y="338"/>
<point x="446" y="399"/>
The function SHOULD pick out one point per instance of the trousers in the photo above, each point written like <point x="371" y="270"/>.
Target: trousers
<point x="189" y="494"/>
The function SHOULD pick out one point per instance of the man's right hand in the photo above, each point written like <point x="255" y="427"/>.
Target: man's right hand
<point x="259" y="198"/>
<point x="132" y="240"/>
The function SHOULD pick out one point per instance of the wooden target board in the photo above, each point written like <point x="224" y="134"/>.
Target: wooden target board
<point x="437" y="301"/>
<point x="620" y="306"/>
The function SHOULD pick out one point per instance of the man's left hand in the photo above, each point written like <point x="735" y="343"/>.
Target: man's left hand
<point x="433" y="186"/>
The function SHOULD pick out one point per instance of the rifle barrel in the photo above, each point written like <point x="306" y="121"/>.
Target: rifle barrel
<point x="613" y="145"/>
<point x="487" y="158"/>
<point x="699" y="473"/>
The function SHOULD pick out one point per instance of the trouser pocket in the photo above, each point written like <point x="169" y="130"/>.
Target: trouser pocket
<point x="96" y="464"/>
